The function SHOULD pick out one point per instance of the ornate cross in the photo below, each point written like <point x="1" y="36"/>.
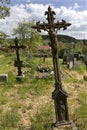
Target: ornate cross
<point x="59" y="95"/>
<point x="18" y="63"/>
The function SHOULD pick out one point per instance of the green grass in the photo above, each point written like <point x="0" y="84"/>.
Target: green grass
<point x="19" y="97"/>
<point x="81" y="112"/>
<point x="3" y="98"/>
<point x="43" y="118"/>
<point x="9" y="120"/>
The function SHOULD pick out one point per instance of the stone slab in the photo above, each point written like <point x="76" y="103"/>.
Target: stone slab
<point x="4" y="77"/>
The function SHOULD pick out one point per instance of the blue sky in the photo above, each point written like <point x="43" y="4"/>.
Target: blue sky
<point x="73" y="11"/>
<point x="56" y="3"/>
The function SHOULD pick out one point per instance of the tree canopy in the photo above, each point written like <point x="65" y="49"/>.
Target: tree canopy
<point x="3" y="38"/>
<point x="27" y="35"/>
<point x="4" y="8"/>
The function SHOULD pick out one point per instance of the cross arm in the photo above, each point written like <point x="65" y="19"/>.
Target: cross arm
<point x="40" y="26"/>
<point x="12" y="47"/>
<point x="63" y="24"/>
<point x="17" y="47"/>
<point x="44" y="26"/>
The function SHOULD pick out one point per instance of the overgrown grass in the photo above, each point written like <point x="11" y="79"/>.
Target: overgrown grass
<point x="13" y="95"/>
<point x="43" y="118"/>
<point x="81" y="112"/>
<point x="81" y="68"/>
<point x="9" y="120"/>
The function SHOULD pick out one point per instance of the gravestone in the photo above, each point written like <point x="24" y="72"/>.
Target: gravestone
<point x="59" y="95"/>
<point x="18" y="63"/>
<point x="4" y="77"/>
<point x="68" y="59"/>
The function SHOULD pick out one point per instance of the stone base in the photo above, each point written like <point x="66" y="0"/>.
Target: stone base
<point x="19" y="78"/>
<point x="67" y="126"/>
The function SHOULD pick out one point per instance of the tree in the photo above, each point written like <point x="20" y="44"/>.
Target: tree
<point x="4" y="8"/>
<point x="28" y="36"/>
<point x="3" y="38"/>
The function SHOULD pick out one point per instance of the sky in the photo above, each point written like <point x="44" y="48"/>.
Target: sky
<point x="73" y="11"/>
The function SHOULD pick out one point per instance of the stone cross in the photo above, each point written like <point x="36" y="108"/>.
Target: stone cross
<point x="59" y="95"/>
<point x="18" y="63"/>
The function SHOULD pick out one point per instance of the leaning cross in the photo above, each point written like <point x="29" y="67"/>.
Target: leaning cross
<point x="59" y="95"/>
<point x="18" y="63"/>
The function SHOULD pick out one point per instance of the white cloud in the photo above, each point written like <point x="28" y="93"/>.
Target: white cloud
<point x="78" y="19"/>
<point x="76" y="6"/>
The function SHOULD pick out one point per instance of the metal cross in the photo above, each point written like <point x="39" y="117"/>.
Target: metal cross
<point x="59" y="95"/>
<point x="18" y="63"/>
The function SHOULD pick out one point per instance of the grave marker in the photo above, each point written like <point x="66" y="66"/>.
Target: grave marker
<point x="59" y="95"/>
<point x="4" y="77"/>
<point x="68" y="59"/>
<point x="18" y="63"/>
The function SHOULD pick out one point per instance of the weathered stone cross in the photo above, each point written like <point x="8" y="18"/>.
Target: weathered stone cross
<point x="18" y="63"/>
<point x="59" y="95"/>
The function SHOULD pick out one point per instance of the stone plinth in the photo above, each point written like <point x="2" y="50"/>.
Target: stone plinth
<point x="71" y="126"/>
<point x="20" y="78"/>
<point x="68" y="127"/>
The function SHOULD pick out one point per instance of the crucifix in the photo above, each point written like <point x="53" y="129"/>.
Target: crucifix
<point x="18" y="63"/>
<point x="59" y="95"/>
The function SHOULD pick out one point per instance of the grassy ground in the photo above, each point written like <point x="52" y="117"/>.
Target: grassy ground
<point x="27" y="105"/>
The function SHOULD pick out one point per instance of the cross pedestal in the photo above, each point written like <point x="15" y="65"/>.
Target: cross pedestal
<point x="60" y="100"/>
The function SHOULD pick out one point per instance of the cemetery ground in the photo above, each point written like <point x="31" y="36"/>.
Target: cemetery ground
<point x="28" y="105"/>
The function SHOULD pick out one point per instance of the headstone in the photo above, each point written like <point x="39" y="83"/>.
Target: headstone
<point x="68" y="59"/>
<point x="4" y="77"/>
<point x="70" y="65"/>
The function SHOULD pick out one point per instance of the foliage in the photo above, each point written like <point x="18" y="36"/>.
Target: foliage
<point x="4" y="8"/>
<point x="46" y="41"/>
<point x="28" y="36"/>
<point x="3" y="38"/>
<point x="67" y="43"/>
<point x="62" y="38"/>
<point x="81" y="68"/>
